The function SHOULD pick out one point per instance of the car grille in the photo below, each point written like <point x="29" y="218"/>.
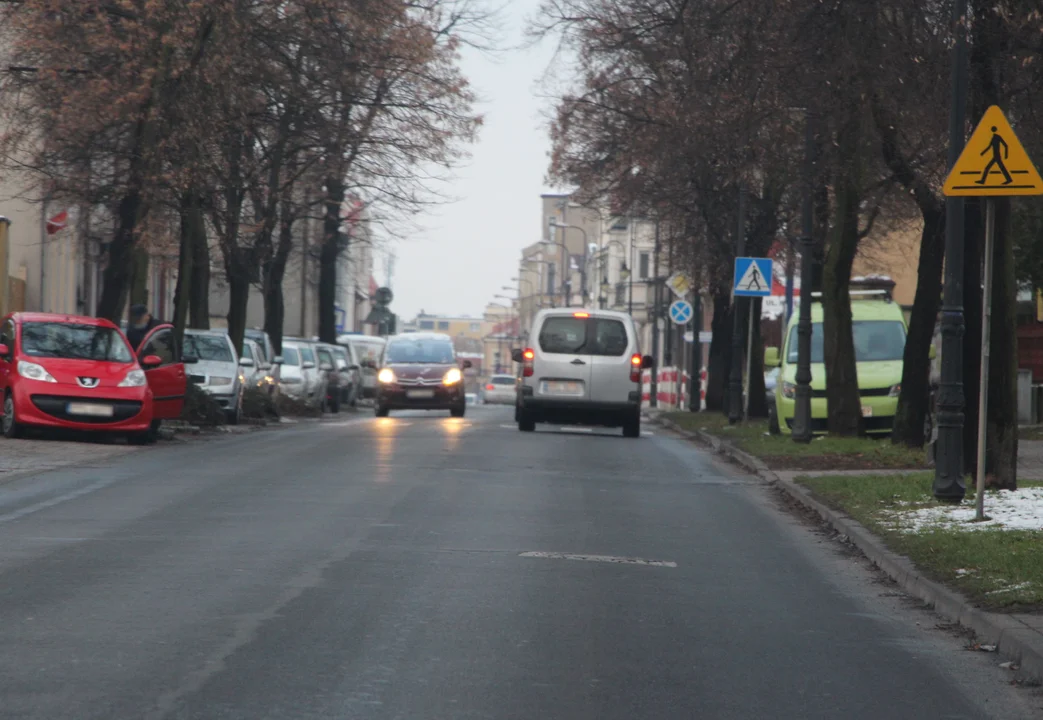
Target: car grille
<point x="869" y="392"/>
<point x="420" y="382"/>
<point x="54" y="405"/>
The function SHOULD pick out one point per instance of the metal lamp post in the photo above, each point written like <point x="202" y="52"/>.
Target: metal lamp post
<point x="583" y="270"/>
<point x="566" y="270"/>
<point x="948" y="467"/>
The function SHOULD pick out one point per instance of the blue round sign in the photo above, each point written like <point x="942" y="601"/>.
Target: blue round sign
<point x="681" y="312"/>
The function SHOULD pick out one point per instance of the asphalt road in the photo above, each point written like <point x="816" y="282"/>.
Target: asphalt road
<point x="423" y="567"/>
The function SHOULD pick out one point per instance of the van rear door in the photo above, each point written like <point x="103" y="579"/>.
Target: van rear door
<point x="611" y="343"/>
<point x="561" y="367"/>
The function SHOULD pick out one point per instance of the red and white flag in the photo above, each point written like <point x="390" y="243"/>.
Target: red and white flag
<point x="58" y="222"/>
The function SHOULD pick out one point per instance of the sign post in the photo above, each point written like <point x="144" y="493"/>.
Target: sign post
<point x="752" y="279"/>
<point x="993" y="164"/>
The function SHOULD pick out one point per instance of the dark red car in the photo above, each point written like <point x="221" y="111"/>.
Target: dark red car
<point x="419" y="371"/>
<point x="79" y="373"/>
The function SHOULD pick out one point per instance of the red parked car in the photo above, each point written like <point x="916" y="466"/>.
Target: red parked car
<point x="80" y="373"/>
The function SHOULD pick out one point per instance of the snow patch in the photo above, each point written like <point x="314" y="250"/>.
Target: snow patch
<point x="1006" y="509"/>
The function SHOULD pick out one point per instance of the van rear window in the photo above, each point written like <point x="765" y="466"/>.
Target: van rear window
<point x="564" y="335"/>
<point x="582" y="336"/>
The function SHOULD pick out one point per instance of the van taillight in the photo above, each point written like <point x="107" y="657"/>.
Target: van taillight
<point x="527" y="357"/>
<point x="635" y="368"/>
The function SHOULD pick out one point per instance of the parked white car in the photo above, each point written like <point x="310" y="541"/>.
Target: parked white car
<point x="217" y="370"/>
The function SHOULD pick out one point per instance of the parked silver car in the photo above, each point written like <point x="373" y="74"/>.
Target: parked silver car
<point x="299" y="373"/>
<point x="259" y="376"/>
<point x="218" y="370"/>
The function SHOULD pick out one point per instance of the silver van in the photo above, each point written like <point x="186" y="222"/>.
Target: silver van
<point x="583" y="367"/>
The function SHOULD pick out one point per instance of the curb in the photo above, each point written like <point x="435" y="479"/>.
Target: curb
<point x="1014" y="639"/>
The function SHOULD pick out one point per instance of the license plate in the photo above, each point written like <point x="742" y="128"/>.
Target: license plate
<point x="91" y="409"/>
<point x="420" y="394"/>
<point x="867" y="411"/>
<point x="562" y="387"/>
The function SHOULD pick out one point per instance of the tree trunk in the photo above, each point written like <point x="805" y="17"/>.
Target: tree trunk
<point x="974" y="228"/>
<point x="184" y="271"/>
<point x="1001" y="457"/>
<point x="275" y="271"/>
<point x="844" y="404"/>
<point x="719" y="363"/>
<point x="117" y="271"/>
<point x="139" y="264"/>
<point x="758" y="394"/>
<point x="238" y="299"/>
<point x="916" y="364"/>
<point x="200" y="295"/>
<point x="329" y="253"/>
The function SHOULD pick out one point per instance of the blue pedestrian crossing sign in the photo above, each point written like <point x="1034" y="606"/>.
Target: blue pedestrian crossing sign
<point x="681" y="312"/>
<point x="752" y="277"/>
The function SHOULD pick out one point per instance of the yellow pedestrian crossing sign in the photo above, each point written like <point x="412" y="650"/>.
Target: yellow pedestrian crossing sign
<point x="993" y="163"/>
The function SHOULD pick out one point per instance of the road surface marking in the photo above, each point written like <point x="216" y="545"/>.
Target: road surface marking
<point x="599" y="558"/>
<point x="576" y="429"/>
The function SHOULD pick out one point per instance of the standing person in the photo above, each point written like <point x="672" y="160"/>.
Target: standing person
<point x="141" y="321"/>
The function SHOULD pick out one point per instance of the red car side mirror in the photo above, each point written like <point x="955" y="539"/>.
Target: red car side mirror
<point x="151" y="361"/>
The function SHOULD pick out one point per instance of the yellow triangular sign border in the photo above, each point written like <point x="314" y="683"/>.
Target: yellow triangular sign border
<point x="1021" y="177"/>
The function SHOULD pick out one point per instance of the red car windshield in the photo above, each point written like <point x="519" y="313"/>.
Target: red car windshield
<point x="74" y="341"/>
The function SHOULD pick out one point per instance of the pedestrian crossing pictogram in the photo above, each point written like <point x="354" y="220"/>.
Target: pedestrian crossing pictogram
<point x="994" y="162"/>
<point x="752" y="277"/>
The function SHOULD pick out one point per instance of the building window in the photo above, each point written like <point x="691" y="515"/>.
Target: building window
<point x="427" y="324"/>
<point x="443" y="324"/>
<point x="644" y="267"/>
<point x="476" y="327"/>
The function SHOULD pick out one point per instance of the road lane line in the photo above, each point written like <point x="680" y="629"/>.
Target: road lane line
<point x="598" y="558"/>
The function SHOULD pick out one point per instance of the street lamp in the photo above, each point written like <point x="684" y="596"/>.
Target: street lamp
<point x="583" y="271"/>
<point x="566" y="271"/>
<point x="624" y="272"/>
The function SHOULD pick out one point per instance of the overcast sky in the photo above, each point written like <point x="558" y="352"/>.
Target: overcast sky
<point x="466" y="251"/>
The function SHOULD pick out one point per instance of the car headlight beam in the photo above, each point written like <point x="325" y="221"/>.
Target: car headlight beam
<point x="452" y="376"/>
<point x="386" y="376"/>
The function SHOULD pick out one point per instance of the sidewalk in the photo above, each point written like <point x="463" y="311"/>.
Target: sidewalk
<point x="1017" y="636"/>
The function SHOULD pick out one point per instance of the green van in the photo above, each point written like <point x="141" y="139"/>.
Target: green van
<point x="879" y="331"/>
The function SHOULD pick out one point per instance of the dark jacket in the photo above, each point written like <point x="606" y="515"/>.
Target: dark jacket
<point x="136" y="335"/>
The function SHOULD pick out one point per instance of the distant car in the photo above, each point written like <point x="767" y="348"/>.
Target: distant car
<point x="350" y="375"/>
<point x="217" y="369"/>
<point x="420" y="371"/>
<point x="367" y="350"/>
<point x="66" y="371"/>
<point x="584" y="367"/>
<point x="501" y="390"/>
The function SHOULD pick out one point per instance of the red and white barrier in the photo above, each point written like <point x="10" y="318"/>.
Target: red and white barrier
<point x="672" y="389"/>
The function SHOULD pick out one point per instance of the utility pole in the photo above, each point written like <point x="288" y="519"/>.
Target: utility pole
<point x="735" y="378"/>
<point x="948" y="467"/>
<point x="802" y="393"/>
